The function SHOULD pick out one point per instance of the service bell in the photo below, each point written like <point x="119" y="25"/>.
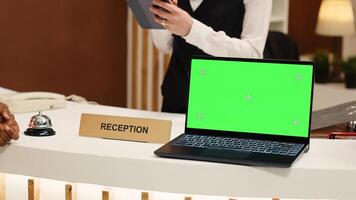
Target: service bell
<point x="40" y="125"/>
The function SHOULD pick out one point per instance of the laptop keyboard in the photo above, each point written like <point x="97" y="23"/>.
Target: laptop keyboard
<point x="238" y="144"/>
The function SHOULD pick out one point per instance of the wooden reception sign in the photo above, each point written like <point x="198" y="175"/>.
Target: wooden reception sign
<point x="125" y="128"/>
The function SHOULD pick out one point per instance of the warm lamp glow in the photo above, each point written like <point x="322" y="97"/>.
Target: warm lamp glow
<point x="335" y="18"/>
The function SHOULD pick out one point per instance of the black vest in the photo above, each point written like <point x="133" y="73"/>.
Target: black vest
<point x="224" y="15"/>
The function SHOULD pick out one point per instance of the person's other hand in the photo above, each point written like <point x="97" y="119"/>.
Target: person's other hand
<point x="9" y="128"/>
<point x="173" y="18"/>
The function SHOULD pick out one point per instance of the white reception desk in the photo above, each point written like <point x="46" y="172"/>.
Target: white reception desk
<point x="327" y="171"/>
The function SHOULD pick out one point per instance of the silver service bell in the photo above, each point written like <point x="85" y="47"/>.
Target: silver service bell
<point x="40" y="125"/>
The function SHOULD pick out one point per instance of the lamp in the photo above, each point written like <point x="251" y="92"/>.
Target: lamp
<point x="336" y="19"/>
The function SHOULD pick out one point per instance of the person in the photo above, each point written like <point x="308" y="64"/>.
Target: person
<point x="9" y="128"/>
<point x="228" y="28"/>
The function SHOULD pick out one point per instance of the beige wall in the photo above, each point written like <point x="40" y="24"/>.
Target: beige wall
<point x="349" y="43"/>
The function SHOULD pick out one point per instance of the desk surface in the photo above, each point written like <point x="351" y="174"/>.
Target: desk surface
<point x="328" y="170"/>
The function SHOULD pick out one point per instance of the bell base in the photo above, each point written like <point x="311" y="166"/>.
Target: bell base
<point x="40" y="132"/>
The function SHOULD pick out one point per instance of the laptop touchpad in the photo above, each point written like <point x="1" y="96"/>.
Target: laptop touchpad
<point x="225" y="153"/>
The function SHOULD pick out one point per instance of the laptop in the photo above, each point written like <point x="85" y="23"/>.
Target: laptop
<point x="246" y="111"/>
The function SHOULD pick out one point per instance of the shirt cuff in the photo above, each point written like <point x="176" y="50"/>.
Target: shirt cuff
<point x="161" y="32"/>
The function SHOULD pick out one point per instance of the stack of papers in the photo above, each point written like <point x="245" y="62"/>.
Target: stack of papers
<point x="332" y="116"/>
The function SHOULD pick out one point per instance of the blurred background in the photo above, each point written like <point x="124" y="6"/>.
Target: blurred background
<point x="94" y="48"/>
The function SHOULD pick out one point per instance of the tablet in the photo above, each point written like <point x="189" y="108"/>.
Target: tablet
<point x="141" y="10"/>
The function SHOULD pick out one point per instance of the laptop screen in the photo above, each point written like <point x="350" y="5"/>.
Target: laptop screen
<point x="251" y="96"/>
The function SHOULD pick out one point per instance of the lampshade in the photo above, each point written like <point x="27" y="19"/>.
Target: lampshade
<point x="335" y="18"/>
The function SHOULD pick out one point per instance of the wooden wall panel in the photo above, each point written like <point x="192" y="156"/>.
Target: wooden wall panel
<point x="145" y="38"/>
<point x="33" y="189"/>
<point x="2" y="186"/>
<point x="156" y="85"/>
<point x="146" y="68"/>
<point x="65" y="46"/>
<point x="70" y="192"/>
<point x="302" y="24"/>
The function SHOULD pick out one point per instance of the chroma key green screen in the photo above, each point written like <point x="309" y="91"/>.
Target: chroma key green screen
<point x="253" y="97"/>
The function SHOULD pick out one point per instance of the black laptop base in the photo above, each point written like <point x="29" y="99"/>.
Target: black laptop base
<point x="226" y="156"/>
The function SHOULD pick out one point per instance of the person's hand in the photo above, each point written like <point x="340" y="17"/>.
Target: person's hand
<point x="9" y="128"/>
<point x="174" y="19"/>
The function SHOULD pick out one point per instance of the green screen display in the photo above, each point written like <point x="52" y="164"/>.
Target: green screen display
<point x="253" y="97"/>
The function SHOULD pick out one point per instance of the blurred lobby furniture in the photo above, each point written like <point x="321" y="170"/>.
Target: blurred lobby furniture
<point x="280" y="46"/>
<point x="336" y="19"/>
<point x="280" y="16"/>
<point x="335" y="135"/>
<point x="302" y="24"/>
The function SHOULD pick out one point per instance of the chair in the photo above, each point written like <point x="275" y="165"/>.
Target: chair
<point x="280" y="46"/>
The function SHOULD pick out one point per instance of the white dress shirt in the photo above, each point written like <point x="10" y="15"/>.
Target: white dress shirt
<point x="217" y="43"/>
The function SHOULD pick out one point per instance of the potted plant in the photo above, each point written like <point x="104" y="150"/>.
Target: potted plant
<point x="349" y="68"/>
<point x="322" y="66"/>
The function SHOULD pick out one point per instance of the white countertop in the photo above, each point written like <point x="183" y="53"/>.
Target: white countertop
<point x="328" y="170"/>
